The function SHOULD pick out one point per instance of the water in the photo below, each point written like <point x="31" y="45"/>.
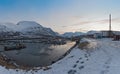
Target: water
<point x="38" y="54"/>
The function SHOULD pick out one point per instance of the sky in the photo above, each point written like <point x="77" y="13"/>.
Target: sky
<point x="63" y="15"/>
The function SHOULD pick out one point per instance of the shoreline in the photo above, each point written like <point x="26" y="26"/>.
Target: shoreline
<point x="8" y="63"/>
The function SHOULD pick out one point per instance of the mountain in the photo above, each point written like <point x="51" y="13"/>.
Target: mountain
<point x="70" y="34"/>
<point x="27" y="28"/>
<point x="11" y="26"/>
<point x="92" y="32"/>
<point x="5" y="31"/>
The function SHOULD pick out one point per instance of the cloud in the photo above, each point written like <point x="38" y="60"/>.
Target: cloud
<point x="77" y="17"/>
<point x="84" y="22"/>
<point x="114" y="20"/>
<point x="117" y="20"/>
<point x="104" y="21"/>
<point x="80" y="23"/>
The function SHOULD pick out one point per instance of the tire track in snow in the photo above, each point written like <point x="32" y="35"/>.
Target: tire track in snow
<point x="106" y="66"/>
<point x="108" y="61"/>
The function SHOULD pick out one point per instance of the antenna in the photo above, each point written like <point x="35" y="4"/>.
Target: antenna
<point x="109" y="22"/>
<point x="110" y="32"/>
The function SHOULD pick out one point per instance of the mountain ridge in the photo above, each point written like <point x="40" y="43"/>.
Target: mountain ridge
<point x="27" y="28"/>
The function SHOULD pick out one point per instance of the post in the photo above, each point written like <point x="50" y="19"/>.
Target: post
<point x="110" y="32"/>
<point x="110" y="22"/>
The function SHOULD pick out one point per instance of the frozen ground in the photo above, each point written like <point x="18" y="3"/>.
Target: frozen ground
<point x="104" y="58"/>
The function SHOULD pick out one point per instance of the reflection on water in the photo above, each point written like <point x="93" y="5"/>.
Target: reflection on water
<point x="38" y="54"/>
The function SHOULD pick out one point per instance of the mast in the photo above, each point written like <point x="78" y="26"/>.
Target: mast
<point x="110" y="32"/>
<point x="110" y="22"/>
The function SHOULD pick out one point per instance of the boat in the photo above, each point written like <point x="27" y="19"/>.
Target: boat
<point x="14" y="47"/>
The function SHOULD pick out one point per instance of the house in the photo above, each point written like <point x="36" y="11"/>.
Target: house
<point x="98" y="35"/>
<point x="94" y="34"/>
<point x="107" y="34"/>
<point x="116" y="35"/>
<point x="112" y="34"/>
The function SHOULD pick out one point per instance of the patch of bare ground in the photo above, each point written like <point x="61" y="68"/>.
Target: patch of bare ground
<point x="10" y="64"/>
<point x="6" y="63"/>
<point x="83" y="45"/>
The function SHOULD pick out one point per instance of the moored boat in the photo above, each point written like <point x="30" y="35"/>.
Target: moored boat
<point x="14" y="47"/>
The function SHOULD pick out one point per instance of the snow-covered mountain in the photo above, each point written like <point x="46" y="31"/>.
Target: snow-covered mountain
<point x="70" y="34"/>
<point x="4" y="31"/>
<point x="10" y="26"/>
<point x="27" y="28"/>
<point x="92" y="32"/>
<point x="33" y="28"/>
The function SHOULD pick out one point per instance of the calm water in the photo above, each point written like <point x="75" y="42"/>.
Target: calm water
<point x="38" y="54"/>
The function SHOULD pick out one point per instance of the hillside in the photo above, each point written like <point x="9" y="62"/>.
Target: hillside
<point x="72" y="34"/>
<point x="27" y="28"/>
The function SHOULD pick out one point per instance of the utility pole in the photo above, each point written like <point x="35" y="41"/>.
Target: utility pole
<point x="110" y="22"/>
<point x="110" y="32"/>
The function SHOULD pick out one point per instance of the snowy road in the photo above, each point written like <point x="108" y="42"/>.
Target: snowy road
<point x="103" y="59"/>
<point x="112" y="50"/>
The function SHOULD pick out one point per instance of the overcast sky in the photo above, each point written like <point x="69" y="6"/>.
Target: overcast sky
<point x="63" y="15"/>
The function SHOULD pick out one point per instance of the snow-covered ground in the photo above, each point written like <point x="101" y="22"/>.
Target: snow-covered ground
<point x="103" y="57"/>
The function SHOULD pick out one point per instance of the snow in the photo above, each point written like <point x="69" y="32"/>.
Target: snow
<point x="104" y="58"/>
<point x="10" y="25"/>
<point x="4" y="29"/>
<point x="92" y="32"/>
<point x="70" y="34"/>
<point x="22" y="25"/>
<point x="27" y="28"/>
<point x="32" y="27"/>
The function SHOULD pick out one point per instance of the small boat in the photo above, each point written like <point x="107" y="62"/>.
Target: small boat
<point x="14" y="47"/>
